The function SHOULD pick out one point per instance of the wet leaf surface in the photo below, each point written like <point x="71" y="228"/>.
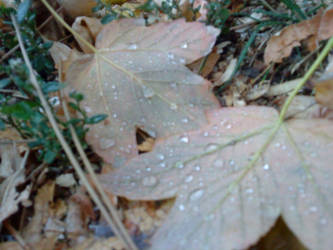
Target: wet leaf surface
<point x="139" y="79"/>
<point x="225" y="199"/>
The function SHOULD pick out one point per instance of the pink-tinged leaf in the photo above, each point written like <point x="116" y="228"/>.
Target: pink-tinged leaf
<point x="139" y="79"/>
<point x="186" y="40"/>
<point x="225" y="199"/>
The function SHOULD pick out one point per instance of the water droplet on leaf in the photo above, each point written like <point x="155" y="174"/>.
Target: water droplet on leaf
<point x="266" y="167"/>
<point x="189" y="178"/>
<point x="184" y="139"/>
<point x="211" y="147"/>
<point x="133" y="46"/>
<point x="106" y="143"/>
<point x="218" y="163"/>
<point x="148" y="92"/>
<point x="196" y="195"/>
<point x="149" y="181"/>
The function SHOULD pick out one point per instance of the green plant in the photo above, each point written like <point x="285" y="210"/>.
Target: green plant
<point x="274" y="20"/>
<point x="218" y="14"/>
<point x="20" y="106"/>
<point x="111" y="13"/>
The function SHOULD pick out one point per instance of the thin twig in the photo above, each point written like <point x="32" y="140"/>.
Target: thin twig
<point x="4" y="141"/>
<point x="94" y="178"/>
<point x="17" y="236"/>
<point x="60" y="136"/>
<point x="9" y="53"/>
<point x="12" y="50"/>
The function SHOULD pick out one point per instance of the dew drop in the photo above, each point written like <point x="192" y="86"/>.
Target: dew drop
<point x="218" y="163"/>
<point x="209" y="217"/>
<point x="171" y="56"/>
<point x="197" y="168"/>
<point x="249" y="191"/>
<point x="148" y="92"/>
<point x="173" y="106"/>
<point x="184" y="139"/>
<point x="229" y="126"/>
<point x="323" y="221"/>
<point x="181" y="207"/>
<point x="160" y="156"/>
<point x="185" y="46"/>
<point x="231" y="162"/>
<point x="149" y="181"/>
<point x="196" y="194"/>
<point x="189" y="178"/>
<point x="206" y="134"/>
<point x="105" y="143"/>
<point x="87" y="109"/>
<point x="185" y="120"/>
<point x="292" y="208"/>
<point x="179" y="164"/>
<point x="182" y="60"/>
<point x="266" y="167"/>
<point x="313" y="209"/>
<point x="162" y="164"/>
<point x="211" y="147"/>
<point x="133" y="46"/>
<point x="148" y="169"/>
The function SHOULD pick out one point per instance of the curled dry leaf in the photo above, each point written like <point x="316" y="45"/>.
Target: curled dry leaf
<point x="225" y="198"/>
<point x="305" y="107"/>
<point x="88" y="28"/>
<point x="324" y="92"/>
<point x="139" y="79"/>
<point x="319" y="28"/>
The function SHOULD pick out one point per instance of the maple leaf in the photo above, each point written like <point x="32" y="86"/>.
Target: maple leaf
<point x="234" y="177"/>
<point x="138" y="78"/>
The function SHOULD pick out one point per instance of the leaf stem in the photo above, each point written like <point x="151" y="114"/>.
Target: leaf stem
<point x="305" y="78"/>
<point x="77" y="35"/>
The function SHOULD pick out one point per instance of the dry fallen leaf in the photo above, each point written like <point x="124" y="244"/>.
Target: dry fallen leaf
<point x="319" y="28"/>
<point x="205" y="66"/>
<point x="76" y="8"/>
<point x="139" y="79"/>
<point x="33" y="232"/>
<point x="12" y="174"/>
<point x="225" y="200"/>
<point x="88" y="28"/>
<point x="324" y="92"/>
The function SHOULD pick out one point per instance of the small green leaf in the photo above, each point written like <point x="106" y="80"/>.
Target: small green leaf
<point x="50" y="156"/>
<point x="22" y="10"/>
<point x="76" y="96"/>
<point x="22" y="110"/>
<point x="52" y="87"/>
<point x="4" y="82"/>
<point x="108" y="18"/>
<point x="74" y="106"/>
<point x="2" y="125"/>
<point x="96" y="119"/>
